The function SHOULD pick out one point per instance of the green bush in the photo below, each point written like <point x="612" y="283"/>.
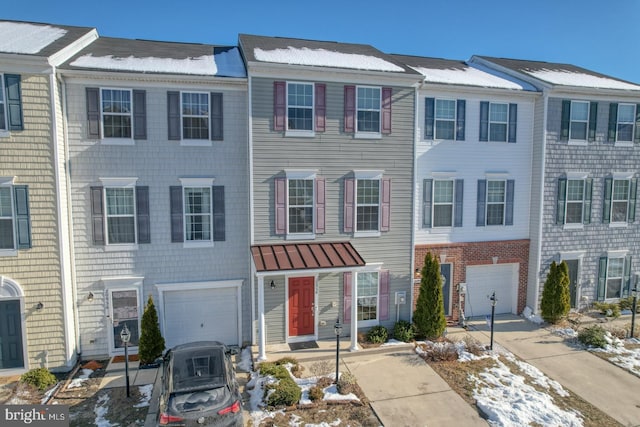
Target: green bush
<point x="609" y="309"/>
<point x="274" y="370"/>
<point x="40" y="378"/>
<point x="151" y="343"/>
<point x="428" y="317"/>
<point x="627" y="304"/>
<point x="316" y="393"/>
<point x="378" y="334"/>
<point x="593" y="336"/>
<point x="403" y="331"/>
<point x="555" y="303"/>
<point x="285" y="393"/>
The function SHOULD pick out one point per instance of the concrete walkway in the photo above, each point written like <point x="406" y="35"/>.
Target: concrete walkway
<point x="115" y="375"/>
<point x="606" y="386"/>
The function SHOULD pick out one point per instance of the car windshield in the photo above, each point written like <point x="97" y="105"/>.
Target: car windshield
<point x="198" y="368"/>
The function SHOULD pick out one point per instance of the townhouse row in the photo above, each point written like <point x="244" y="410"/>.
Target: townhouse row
<point x="262" y="192"/>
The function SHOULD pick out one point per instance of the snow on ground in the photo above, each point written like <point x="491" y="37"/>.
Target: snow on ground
<point x="82" y="378"/>
<point x="245" y="362"/>
<point x="101" y="409"/>
<point x="564" y="332"/>
<point x="626" y="358"/>
<point x="528" y="314"/>
<point x="392" y="342"/>
<point x="145" y="391"/>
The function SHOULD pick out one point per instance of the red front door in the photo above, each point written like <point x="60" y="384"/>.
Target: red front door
<point x="301" y="296"/>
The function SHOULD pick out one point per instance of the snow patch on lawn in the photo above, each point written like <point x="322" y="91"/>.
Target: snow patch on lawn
<point x="534" y="318"/>
<point x="245" y="360"/>
<point x="82" y="378"/>
<point x="145" y="392"/>
<point x="101" y="409"/>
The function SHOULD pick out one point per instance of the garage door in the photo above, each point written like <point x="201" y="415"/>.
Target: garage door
<point x="201" y="315"/>
<point x="483" y="280"/>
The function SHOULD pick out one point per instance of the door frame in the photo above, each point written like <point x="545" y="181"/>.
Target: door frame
<point x="575" y="256"/>
<point x="117" y="285"/>
<point x="11" y="290"/>
<point x="301" y="338"/>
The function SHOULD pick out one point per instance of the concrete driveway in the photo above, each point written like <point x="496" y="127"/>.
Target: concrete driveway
<point x="604" y="385"/>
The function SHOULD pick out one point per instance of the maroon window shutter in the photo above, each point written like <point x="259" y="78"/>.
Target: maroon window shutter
<point x="383" y="302"/>
<point x="385" y="204"/>
<point x="349" y="199"/>
<point x="386" y="110"/>
<point x="320" y="204"/>
<point x="281" y="205"/>
<point x="349" y="109"/>
<point x="347" y="279"/>
<point x="279" y="105"/>
<point x="321" y="106"/>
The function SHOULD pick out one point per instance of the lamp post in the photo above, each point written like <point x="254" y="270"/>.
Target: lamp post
<point x="125" y="336"/>
<point x="337" y="328"/>
<point x="493" y="300"/>
<point x="634" y="292"/>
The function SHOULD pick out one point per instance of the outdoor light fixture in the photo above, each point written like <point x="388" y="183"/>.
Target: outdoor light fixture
<point x="273" y="285"/>
<point x="337" y="328"/>
<point x="90" y="297"/>
<point x="39" y="306"/>
<point x="125" y="336"/>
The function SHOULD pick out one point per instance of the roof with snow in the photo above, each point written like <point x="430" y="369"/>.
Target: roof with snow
<point x="38" y="39"/>
<point x="454" y="72"/>
<point x="562" y="74"/>
<point x="156" y="57"/>
<point x="280" y="50"/>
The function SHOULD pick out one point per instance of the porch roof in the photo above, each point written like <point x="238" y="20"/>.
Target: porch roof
<point x="305" y="256"/>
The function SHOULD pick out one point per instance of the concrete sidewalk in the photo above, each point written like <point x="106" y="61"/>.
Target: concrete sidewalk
<point x="606" y="386"/>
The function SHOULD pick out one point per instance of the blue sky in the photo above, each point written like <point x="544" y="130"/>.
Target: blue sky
<point x="601" y="35"/>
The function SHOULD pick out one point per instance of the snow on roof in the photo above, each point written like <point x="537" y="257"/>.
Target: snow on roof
<point x="571" y="78"/>
<point x="324" y="58"/>
<point x="227" y="64"/>
<point x="19" y="37"/>
<point x="470" y="76"/>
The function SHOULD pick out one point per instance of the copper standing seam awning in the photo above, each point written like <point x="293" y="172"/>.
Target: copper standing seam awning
<point x="305" y="256"/>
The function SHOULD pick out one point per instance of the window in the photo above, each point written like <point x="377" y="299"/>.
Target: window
<point x="620" y="200"/>
<point x="445" y="119"/>
<point x="579" y="120"/>
<point x="626" y="120"/>
<point x="197" y="213"/>
<point x="615" y="273"/>
<point x="442" y="203"/>
<point x="300" y="106"/>
<point x="368" y="296"/>
<point x="368" y="204"/>
<point x="116" y="110"/>
<point x="368" y="109"/>
<point x="300" y="205"/>
<point x="195" y="115"/>
<point x="495" y="202"/>
<point x="15" y="227"/>
<point x="575" y="201"/>
<point x="498" y="119"/>
<point x="121" y="214"/>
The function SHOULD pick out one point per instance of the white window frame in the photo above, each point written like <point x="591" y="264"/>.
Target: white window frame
<point x="492" y="122"/>
<point x="303" y="176"/>
<point x="367" y="176"/>
<point x="7" y="183"/>
<point x="585" y="122"/>
<point x="4" y="132"/>
<point x="434" y="204"/>
<point x="581" y="202"/>
<point x="369" y="134"/>
<point x="197" y="183"/>
<point x="370" y="322"/>
<point x="632" y="123"/>
<point x="454" y="120"/>
<point x="195" y="141"/>
<point x="503" y="203"/>
<point x="617" y="178"/>
<point x="614" y="255"/>
<point x="301" y="132"/>
<point x="117" y="140"/>
<point x="108" y="183"/>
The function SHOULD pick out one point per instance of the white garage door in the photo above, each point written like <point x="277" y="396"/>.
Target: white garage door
<point x="201" y="315"/>
<point x="483" y="280"/>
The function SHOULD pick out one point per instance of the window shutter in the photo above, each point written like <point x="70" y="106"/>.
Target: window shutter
<point x="14" y="101"/>
<point x="593" y="120"/>
<point x="320" y="205"/>
<point x="565" y="120"/>
<point x="481" y="202"/>
<point x="626" y="286"/>
<point x="457" y="209"/>
<point x="219" y="220"/>
<point x="386" y="110"/>
<point x="279" y="105"/>
<point x="142" y="214"/>
<point x="561" y="200"/>
<point x="385" y="204"/>
<point x="349" y="109"/>
<point x="383" y="302"/>
<point x="217" y="122"/>
<point x="139" y="114"/>
<point x="347" y="278"/>
<point x="281" y="205"/>
<point x="173" y="119"/>
<point x="613" y="122"/>
<point x="349" y="200"/>
<point x="429" y="117"/>
<point x="23" y="224"/>
<point x="427" y="190"/>
<point x="321" y="106"/>
<point x="513" y="122"/>
<point x="484" y="121"/>
<point x="588" y="195"/>
<point x="97" y="216"/>
<point x="606" y="206"/>
<point x="602" y="277"/>
<point x="637" y="127"/>
<point x="177" y="227"/>
<point x="460" y="119"/>
<point x="508" y="215"/>
<point x="633" y="190"/>
<point x="93" y="112"/>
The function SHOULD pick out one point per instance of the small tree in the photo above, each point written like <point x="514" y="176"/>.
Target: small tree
<point x="151" y="344"/>
<point x="555" y="303"/>
<point x="429" y="315"/>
